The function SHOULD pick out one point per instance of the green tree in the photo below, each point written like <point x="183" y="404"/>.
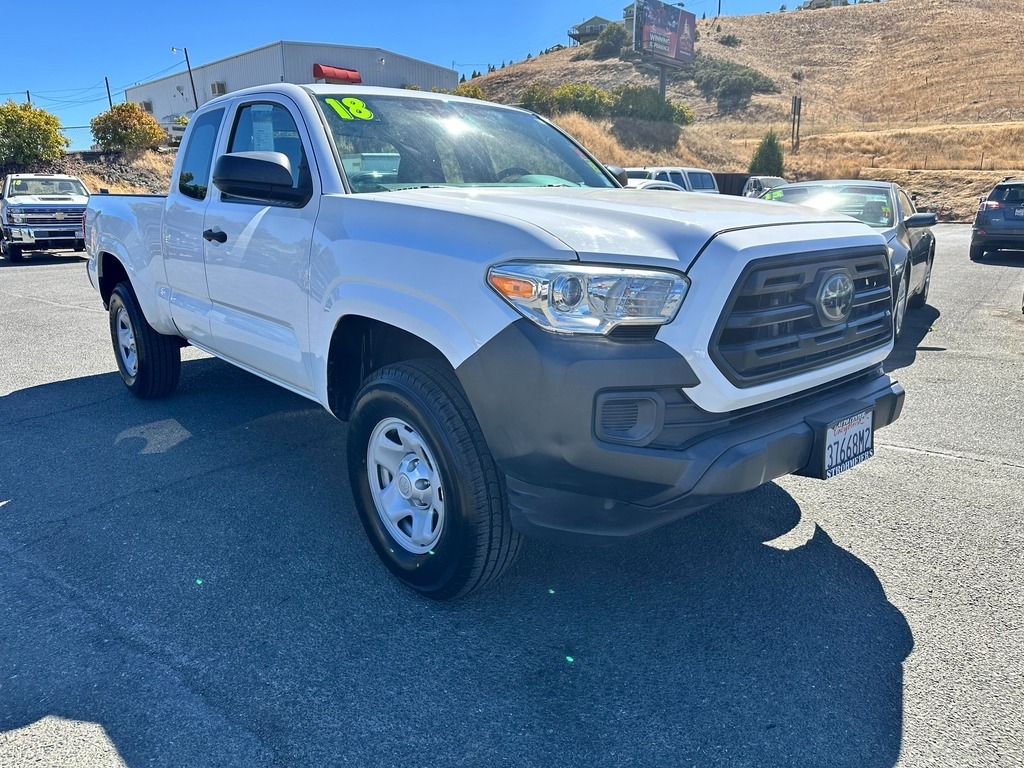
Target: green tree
<point x="610" y="41"/>
<point x="767" y="159"/>
<point x="127" y="127"/>
<point x="29" y="135"/>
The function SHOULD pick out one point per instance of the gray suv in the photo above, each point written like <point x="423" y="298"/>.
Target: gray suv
<point x="999" y="222"/>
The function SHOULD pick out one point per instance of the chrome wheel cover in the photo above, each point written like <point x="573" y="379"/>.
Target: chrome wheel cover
<point x="126" y="342"/>
<point x="406" y="485"/>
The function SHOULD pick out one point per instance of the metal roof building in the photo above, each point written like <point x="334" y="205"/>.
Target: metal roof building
<point x="285" y="62"/>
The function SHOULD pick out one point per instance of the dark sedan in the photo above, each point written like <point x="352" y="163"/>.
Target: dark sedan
<point x="888" y="208"/>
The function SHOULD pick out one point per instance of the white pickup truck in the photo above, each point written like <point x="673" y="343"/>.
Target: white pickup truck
<point x="519" y="345"/>
<point x="40" y="212"/>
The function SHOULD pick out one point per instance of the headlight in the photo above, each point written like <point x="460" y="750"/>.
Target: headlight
<point x="571" y="298"/>
<point x="17" y="218"/>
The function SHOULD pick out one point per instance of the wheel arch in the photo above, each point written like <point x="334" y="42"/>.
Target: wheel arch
<point x="361" y="345"/>
<point x="110" y="271"/>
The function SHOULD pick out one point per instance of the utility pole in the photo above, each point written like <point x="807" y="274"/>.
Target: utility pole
<point x="195" y="99"/>
<point x="28" y="97"/>
<point x="110" y="101"/>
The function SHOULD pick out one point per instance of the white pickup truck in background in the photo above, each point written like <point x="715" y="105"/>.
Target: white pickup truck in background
<point x="41" y="212"/>
<point x="519" y="345"/>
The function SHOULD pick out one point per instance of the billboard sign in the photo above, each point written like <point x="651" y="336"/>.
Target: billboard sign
<point x="663" y="31"/>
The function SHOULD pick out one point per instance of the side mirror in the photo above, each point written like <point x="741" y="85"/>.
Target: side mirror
<point x="921" y="220"/>
<point x="619" y="173"/>
<point x="263" y="177"/>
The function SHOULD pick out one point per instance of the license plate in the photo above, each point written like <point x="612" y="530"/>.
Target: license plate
<point x="1019" y="213"/>
<point x="848" y="442"/>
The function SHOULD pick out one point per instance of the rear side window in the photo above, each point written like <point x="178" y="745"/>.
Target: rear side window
<point x="197" y="163"/>
<point x="1011" y="193"/>
<point x="701" y="180"/>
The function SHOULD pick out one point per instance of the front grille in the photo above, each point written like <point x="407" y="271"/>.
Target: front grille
<point x="772" y="326"/>
<point x="46" y="217"/>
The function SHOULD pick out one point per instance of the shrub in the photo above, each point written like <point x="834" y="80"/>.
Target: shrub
<point x="729" y="41"/>
<point x="611" y="41"/>
<point x="471" y="90"/>
<point x="127" y="127"/>
<point x="731" y="85"/>
<point x="734" y="92"/>
<point x="641" y="102"/>
<point x="29" y="135"/>
<point x="682" y="114"/>
<point x="537" y="98"/>
<point x="645" y="103"/>
<point x="767" y="159"/>
<point x="582" y="98"/>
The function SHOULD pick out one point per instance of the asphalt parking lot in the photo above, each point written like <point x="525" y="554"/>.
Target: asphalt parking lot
<point x="186" y="583"/>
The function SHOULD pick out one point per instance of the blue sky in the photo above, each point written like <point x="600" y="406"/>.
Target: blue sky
<point x="61" y="51"/>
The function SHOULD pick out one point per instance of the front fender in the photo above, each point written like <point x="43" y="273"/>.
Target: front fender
<point x="457" y="332"/>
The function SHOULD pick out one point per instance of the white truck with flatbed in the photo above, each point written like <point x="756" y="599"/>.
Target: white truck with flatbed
<point x="41" y="212"/>
<point x="519" y="345"/>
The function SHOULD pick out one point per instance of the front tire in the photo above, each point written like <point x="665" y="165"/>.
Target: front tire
<point x="149" y="362"/>
<point x="429" y="494"/>
<point x="15" y="252"/>
<point x="899" y="309"/>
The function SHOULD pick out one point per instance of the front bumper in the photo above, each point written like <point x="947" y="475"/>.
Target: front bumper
<point x="45" y="236"/>
<point x="598" y="439"/>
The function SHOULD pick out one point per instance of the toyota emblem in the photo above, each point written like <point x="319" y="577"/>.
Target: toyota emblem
<point x="835" y="298"/>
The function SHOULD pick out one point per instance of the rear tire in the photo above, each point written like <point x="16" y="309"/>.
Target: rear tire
<point x="429" y="494"/>
<point x="977" y="252"/>
<point x="149" y="362"/>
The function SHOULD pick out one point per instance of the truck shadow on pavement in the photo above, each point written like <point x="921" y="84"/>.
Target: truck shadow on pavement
<point x="917" y="324"/>
<point x="190" y="575"/>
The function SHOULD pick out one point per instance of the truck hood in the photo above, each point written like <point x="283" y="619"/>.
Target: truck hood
<point x="622" y="225"/>
<point x="48" y="201"/>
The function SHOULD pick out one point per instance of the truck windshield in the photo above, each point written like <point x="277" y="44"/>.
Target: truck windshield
<point x="390" y="143"/>
<point x="44" y="186"/>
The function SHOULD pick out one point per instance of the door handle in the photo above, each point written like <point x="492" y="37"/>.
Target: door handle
<point x="219" y="236"/>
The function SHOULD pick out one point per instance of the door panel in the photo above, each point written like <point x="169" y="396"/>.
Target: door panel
<point x="182" y="233"/>
<point x="258" y="277"/>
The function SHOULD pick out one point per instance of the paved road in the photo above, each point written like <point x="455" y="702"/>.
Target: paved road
<point x="185" y="583"/>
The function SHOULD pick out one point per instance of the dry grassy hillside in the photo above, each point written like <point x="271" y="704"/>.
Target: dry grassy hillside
<point x="921" y="91"/>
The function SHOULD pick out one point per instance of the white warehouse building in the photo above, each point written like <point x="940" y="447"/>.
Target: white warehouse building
<point x="284" y="62"/>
